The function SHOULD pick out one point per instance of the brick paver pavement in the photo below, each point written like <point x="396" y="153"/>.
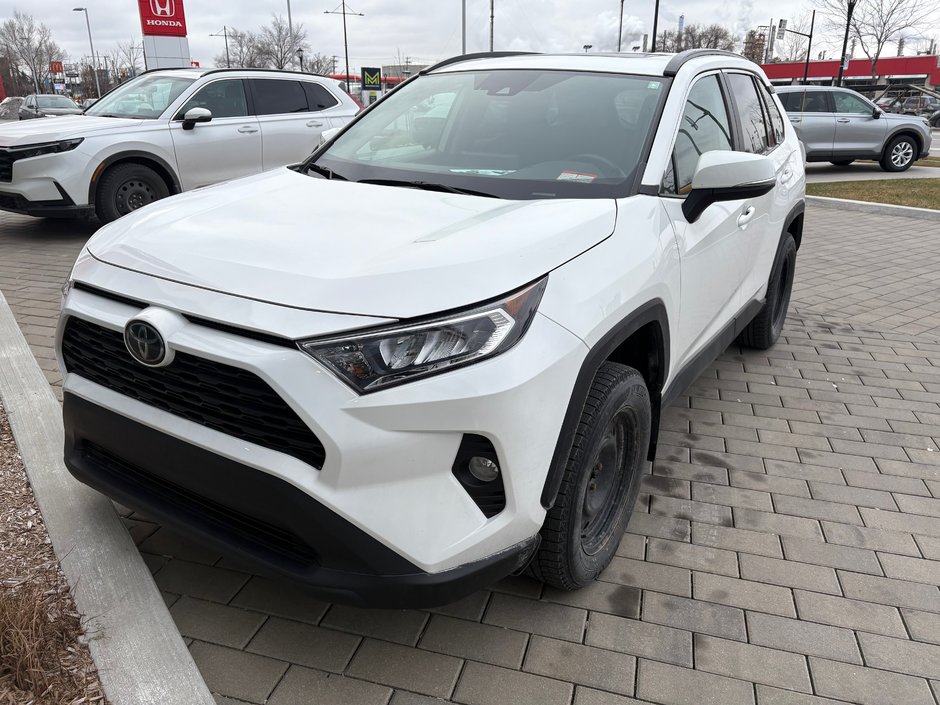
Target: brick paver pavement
<point x="786" y="550"/>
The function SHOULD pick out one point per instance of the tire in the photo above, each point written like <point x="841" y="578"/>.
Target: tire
<point x="583" y="529"/>
<point x="842" y="162"/>
<point x="125" y="188"/>
<point x="765" y="328"/>
<point x="899" y="154"/>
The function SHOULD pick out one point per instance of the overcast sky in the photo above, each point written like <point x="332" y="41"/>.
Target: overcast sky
<point x="424" y="30"/>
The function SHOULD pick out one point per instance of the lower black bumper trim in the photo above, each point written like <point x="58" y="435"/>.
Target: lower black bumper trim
<point x="256" y="517"/>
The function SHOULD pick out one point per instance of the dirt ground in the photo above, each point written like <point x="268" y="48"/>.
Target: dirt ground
<point x="43" y="658"/>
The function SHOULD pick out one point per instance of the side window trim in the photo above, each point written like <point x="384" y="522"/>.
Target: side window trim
<point x="739" y="145"/>
<point x="767" y="100"/>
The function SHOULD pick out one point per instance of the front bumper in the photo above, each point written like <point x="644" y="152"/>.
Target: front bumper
<point x="55" y="208"/>
<point x="258" y="517"/>
<point x="387" y="473"/>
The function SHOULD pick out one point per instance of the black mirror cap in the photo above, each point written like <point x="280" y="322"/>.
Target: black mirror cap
<point x="876" y="112"/>
<point x="699" y="199"/>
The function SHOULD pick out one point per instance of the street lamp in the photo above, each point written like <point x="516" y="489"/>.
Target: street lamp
<point x="844" y="62"/>
<point x="224" y="33"/>
<point x="586" y="47"/>
<point x="620" y="35"/>
<point x="300" y="55"/>
<point x="782" y="29"/>
<point x="94" y="58"/>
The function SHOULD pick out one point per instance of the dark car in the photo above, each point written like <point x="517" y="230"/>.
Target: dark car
<point x="920" y="105"/>
<point x="36" y="106"/>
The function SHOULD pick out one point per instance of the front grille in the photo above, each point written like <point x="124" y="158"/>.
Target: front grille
<point x="242" y="527"/>
<point x="6" y="165"/>
<point x="224" y="398"/>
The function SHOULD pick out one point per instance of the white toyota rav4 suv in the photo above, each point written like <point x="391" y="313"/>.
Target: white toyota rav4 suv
<point x="166" y="131"/>
<point x="402" y="408"/>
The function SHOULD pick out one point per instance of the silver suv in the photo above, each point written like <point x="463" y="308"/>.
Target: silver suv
<point x="838" y="125"/>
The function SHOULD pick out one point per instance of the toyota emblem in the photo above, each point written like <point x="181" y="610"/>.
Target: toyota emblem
<point x="144" y="343"/>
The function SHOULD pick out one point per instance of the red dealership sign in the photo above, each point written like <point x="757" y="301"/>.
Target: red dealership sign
<point x="162" y="18"/>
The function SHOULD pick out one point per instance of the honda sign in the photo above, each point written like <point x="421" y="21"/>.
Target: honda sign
<point x="162" y="18"/>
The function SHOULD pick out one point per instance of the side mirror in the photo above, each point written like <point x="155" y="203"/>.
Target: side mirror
<point x="194" y="115"/>
<point x="727" y="176"/>
<point x="876" y="112"/>
<point x="327" y="135"/>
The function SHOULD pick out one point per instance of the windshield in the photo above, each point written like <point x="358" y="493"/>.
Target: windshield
<point x="145" y="98"/>
<point x="55" y="101"/>
<point x="519" y="134"/>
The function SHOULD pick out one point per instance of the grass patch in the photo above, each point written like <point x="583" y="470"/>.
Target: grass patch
<point x="918" y="193"/>
<point x="928" y="161"/>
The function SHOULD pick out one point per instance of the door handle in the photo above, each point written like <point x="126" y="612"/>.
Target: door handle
<point x="247" y="129"/>
<point x="747" y="216"/>
<point x="314" y="123"/>
<point x="843" y="120"/>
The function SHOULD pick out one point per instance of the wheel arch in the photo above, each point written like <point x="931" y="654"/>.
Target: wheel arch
<point x="163" y="169"/>
<point x="906" y="132"/>
<point x="641" y="341"/>
<point x="794" y="223"/>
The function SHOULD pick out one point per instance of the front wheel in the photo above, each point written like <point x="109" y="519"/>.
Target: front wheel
<point x="602" y="478"/>
<point x="899" y="154"/>
<point x="125" y="188"/>
<point x="765" y="328"/>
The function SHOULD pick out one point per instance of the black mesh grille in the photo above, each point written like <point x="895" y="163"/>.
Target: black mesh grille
<point x="221" y="397"/>
<point x="6" y="165"/>
<point x="247" y="529"/>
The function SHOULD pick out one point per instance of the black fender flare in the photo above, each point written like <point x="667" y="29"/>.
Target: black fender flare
<point x="133" y="155"/>
<point x="653" y="311"/>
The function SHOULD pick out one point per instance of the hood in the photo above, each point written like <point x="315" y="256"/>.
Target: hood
<point x="23" y="132"/>
<point x="295" y="240"/>
<point x="901" y="117"/>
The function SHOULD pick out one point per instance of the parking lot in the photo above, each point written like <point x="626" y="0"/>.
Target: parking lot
<point x="786" y="550"/>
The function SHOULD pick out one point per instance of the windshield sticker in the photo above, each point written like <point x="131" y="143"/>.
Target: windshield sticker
<point x="483" y="172"/>
<point x="579" y="176"/>
<point x="653" y="85"/>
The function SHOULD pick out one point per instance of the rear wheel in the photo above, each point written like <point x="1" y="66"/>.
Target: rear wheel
<point x="899" y="154"/>
<point x="765" y="328"/>
<point x="602" y="478"/>
<point x="842" y="162"/>
<point x="125" y="188"/>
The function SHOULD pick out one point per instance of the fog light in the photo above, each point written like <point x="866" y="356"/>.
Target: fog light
<point x="483" y="469"/>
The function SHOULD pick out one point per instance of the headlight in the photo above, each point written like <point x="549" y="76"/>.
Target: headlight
<point x="386" y="357"/>
<point x="36" y="150"/>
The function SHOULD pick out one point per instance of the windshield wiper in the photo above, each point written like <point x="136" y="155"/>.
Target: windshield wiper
<point x="325" y="172"/>
<point x="427" y="186"/>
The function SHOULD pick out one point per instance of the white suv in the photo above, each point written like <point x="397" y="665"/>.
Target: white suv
<point x="166" y="131"/>
<point x="466" y="381"/>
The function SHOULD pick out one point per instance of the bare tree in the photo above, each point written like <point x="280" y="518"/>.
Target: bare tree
<point x="131" y="56"/>
<point x="793" y="46"/>
<point x="244" y="51"/>
<point x="319" y="63"/>
<point x="875" y="23"/>
<point x="697" y="36"/>
<point x="279" y="45"/>
<point x="30" y="47"/>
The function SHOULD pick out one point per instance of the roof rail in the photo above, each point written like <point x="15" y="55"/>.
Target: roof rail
<point x="676" y="62"/>
<point x="479" y="55"/>
<point x="261" y="70"/>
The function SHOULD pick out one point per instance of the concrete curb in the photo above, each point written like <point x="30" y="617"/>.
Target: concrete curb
<point x="140" y="654"/>
<point x="875" y="208"/>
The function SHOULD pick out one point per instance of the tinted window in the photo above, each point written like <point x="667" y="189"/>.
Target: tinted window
<point x="222" y="98"/>
<point x="705" y="127"/>
<point x="848" y="103"/>
<point x="273" y="97"/>
<point x="750" y="113"/>
<point x="777" y="130"/>
<point x="807" y="102"/>
<point x="318" y="98"/>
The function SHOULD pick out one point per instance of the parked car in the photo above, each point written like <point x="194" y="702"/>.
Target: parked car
<point x="402" y="408"/>
<point x="934" y="119"/>
<point x="38" y="106"/>
<point x="10" y="108"/>
<point x="920" y="105"/>
<point x="164" y="132"/>
<point x="88" y="102"/>
<point x="838" y="125"/>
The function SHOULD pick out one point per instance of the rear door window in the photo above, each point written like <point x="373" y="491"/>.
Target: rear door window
<point x="751" y="115"/>
<point x="277" y="97"/>
<point x="852" y="104"/>
<point x="776" y="131"/>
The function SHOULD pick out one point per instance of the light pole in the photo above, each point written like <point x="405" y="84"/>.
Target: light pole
<point x="290" y="31"/>
<point x="587" y="47"/>
<point x="843" y="64"/>
<point x="492" y="21"/>
<point x="620" y="34"/>
<point x="344" y="12"/>
<point x="782" y="29"/>
<point x="228" y="61"/>
<point x="300" y="55"/>
<point x="463" y="27"/>
<point x="655" y="25"/>
<point x="94" y="57"/>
